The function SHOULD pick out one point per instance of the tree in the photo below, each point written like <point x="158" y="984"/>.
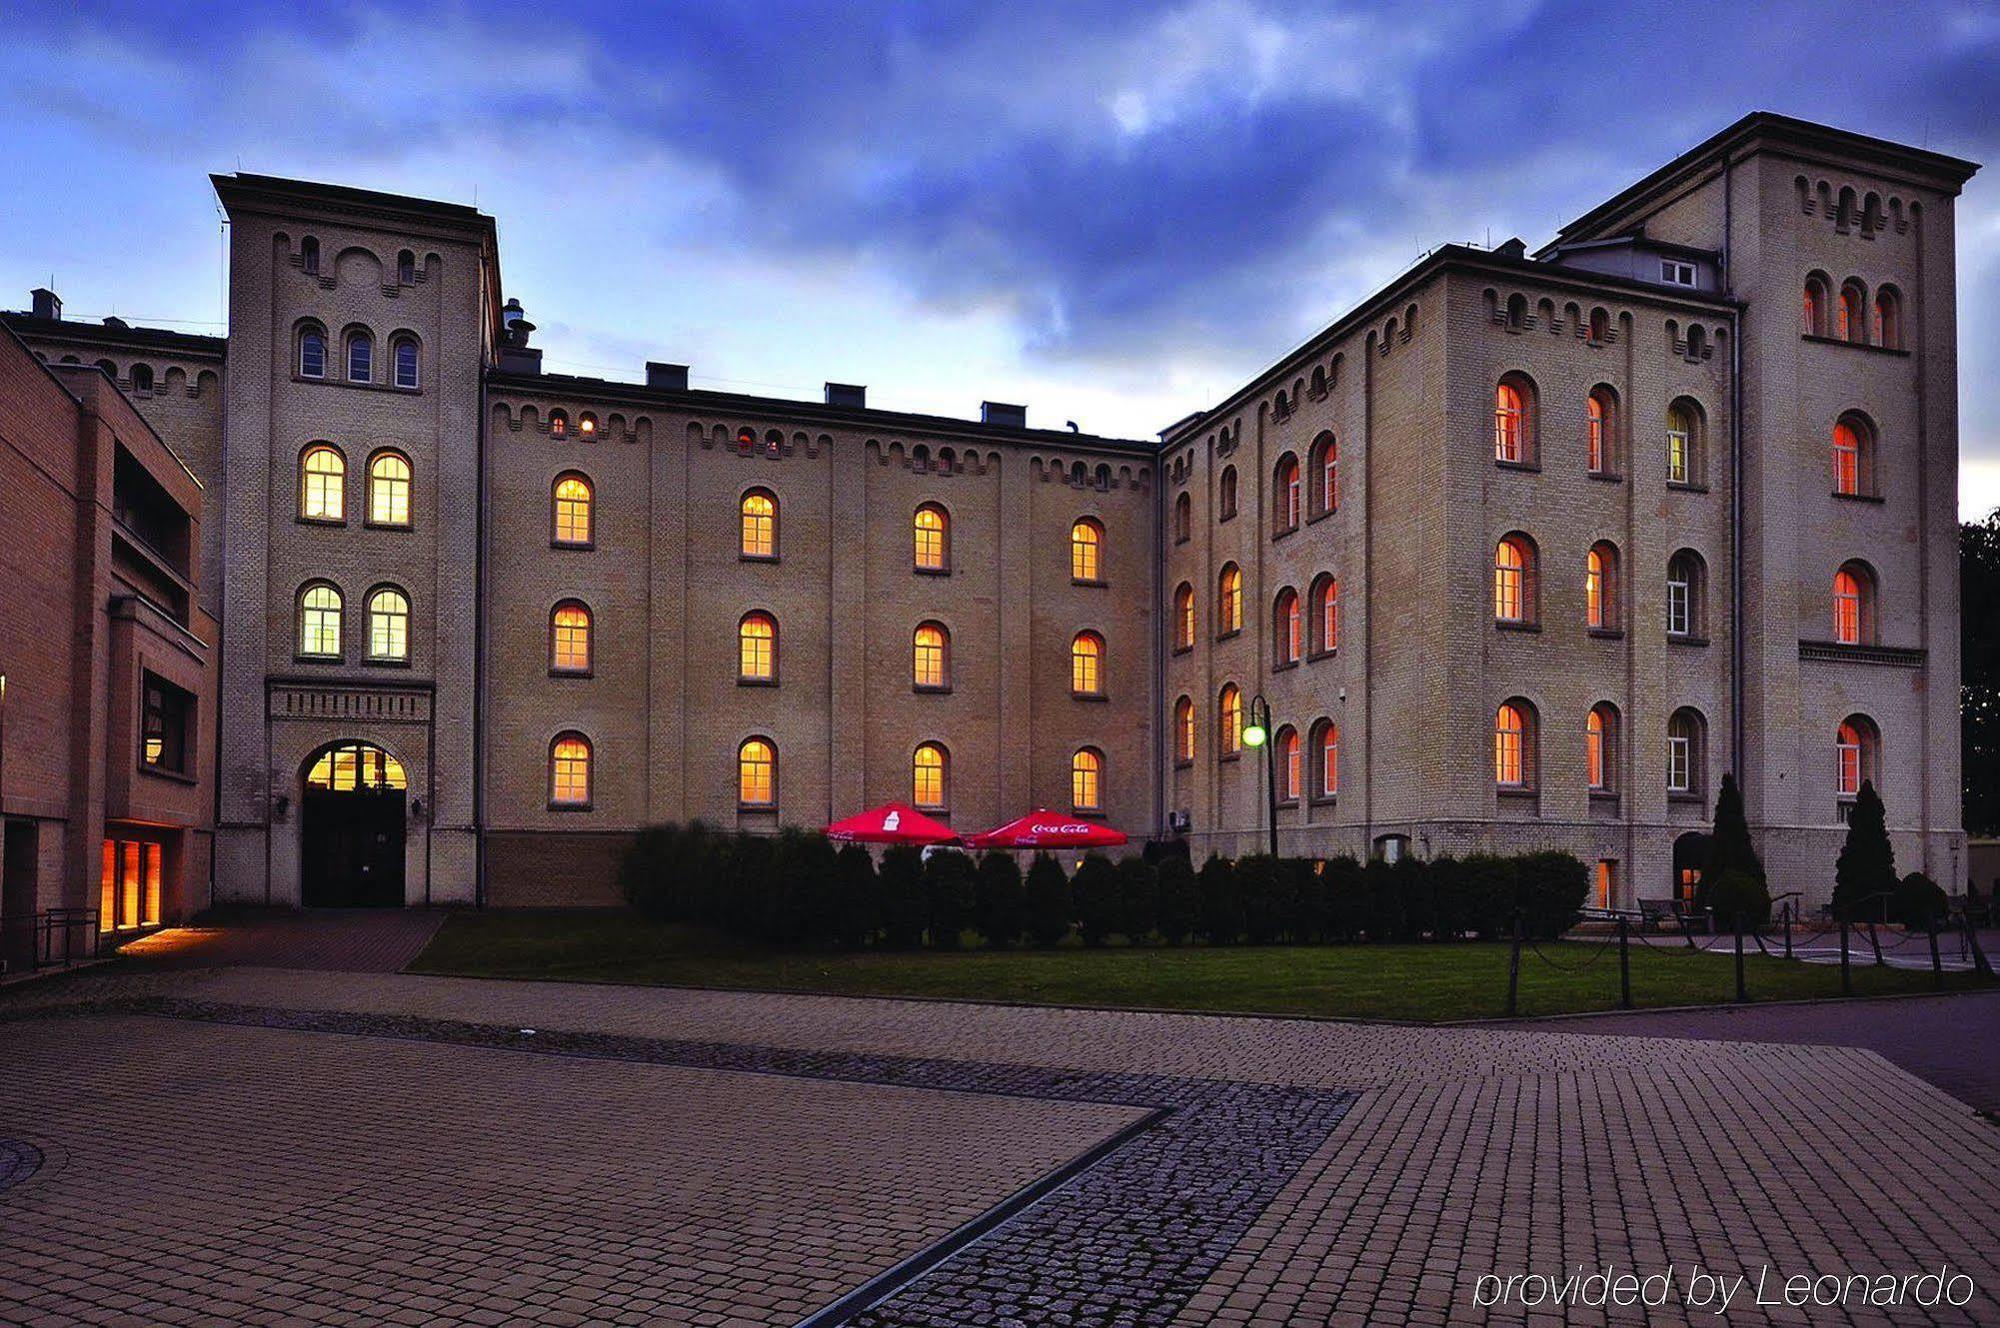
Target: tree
<point x="1729" y="846"/>
<point x="1979" y="665"/>
<point x="1919" y="903"/>
<point x="901" y="886"/>
<point x="1262" y="891"/>
<point x="858" y="910"/>
<point x="1867" y="865"/>
<point x="1096" y="890"/>
<point x="1001" y="911"/>
<point x="1221" y="904"/>
<point x="1138" y="897"/>
<point x="1180" y="898"/>
<point x="1051" y="910"/>
<point x="948" y="883"/>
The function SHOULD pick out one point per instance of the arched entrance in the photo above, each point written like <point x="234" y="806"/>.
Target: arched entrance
<point x="1690" y="858"/>
<point x="351" y="829"/>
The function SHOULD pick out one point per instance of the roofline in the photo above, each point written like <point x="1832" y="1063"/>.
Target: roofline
<point x="704" y="401"/>
<point x="1450" y="256"/>
<point x="54" y="373"/>
<point x="251" y="192"/>
<point x="97" y="334"/>
<point x="1948" y="173"/>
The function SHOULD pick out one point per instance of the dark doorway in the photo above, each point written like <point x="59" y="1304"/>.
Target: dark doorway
<point x="352" y="832"/>
<point x="20" y="882"/>
<point x="1690" y="857"/>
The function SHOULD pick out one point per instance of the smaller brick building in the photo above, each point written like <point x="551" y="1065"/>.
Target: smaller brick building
<point x="107" y="666"/>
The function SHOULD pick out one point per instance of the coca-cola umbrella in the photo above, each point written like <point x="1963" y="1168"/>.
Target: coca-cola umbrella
<point x="1043" y="828"/>
<point x="891" y="823"/>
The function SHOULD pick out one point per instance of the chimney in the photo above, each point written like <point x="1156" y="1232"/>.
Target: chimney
<point x="854" y="395"/>
<point x="999" y="412"/>
<point x="516" y="355"/>
<point x="666" y="377"/>
<point x="1514" y="248"/>
<point x="47" y="304"/>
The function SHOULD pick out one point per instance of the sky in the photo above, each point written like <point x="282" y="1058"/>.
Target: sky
<point x="1116" y="213"/>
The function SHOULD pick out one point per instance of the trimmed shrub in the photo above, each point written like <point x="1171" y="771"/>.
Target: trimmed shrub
<point x="1095" y="888"/>
<point x="1488" y="890"/>
<point x="1346" y="886"/>
<point x="1180" y="898"/>
<point x="1000" y="907"/>
<point x="1867" y="864"/>
<point x="857" y="906"/>
<point x="1552" y="887"/>
<point x="1257" y="882"/>
<point x="1138" y="898"/>
<point x="1918" y="903"/>
<point x="745" y="907"/>
<point x="1312" y="905"/>
<point x="1383" y="885"/>
<point x="1450" y="914"/>
<point x="1736" y="892"/>
<point x="905" y="912"/>
<point x="801" y="902"/>
<point x="1051" y="910"/>
<point x="949" y="890"/>
<point x="1221" y="918"/>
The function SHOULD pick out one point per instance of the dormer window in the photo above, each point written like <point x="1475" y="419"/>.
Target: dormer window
<point x="1676" y="273"/>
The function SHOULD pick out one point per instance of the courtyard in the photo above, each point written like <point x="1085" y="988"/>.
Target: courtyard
<point x="240" y="1142"/>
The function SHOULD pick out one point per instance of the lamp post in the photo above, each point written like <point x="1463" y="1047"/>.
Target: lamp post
<point x="1257" y="733"/>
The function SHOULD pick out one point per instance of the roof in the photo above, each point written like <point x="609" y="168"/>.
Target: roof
<point x="246" y="190"/>
<point x="104" y="334"/>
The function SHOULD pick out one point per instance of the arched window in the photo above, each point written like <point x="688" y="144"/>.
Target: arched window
<point x="1853" y="324"/>
<point x="348" y="767"/>
<point x="1229" y="601"/>
<point x="1326" y="614"/>
<point x="322" y="484"/>
<point x="406" y="268"/>
<point x="1226" y="501"/>
<point x="388" y="625"/>
<point x="389" y="489"/>
<point x="1514" y="420"/>
<point x="1287" y="629"/>
<point x="930" y="535"/>
<point x="319" y="621"/>
<point x="1854" y="604"/>
<point x="1815" y="306"/>
<point x="1086" y="780"/>
<point x="569" y="638"/>
<point x="1889" y="318"/>
<point x="403" y="354"/>
<point x="1686" y="595"/>
<point x="558" y="424"/>
<point x="1183" y="517"/>
<point x="1326" y="758"/>
<point x="1514" y="746"/>
<point x="569" y="771"/>
<point x="1514" y="580"/>
<point x="929" y="766"/>
<point x="756" y="773"/>
<point x="1600" y="587"/>
<point x="1086" y="551"/>
<point x="309" y="255"/>
<point x="142" y="378"/>
<point x="759" y="524"/>
<point x="1854" y="456"/>
<point x="1229" y="721"/>
<point x="1287" y="758"/>
<point x="572" y="511"/>
<point x="1686" y="756"/>
<point x="1184" y="734"/>
<point x="1326" y="472"/>
<point x="586" y="424"/>
<point x="1600" y="326"/>
<point x="360" y="357"/>
<point x="1600" y="747"/>
<point x="757" y="648"/>
<point x="1286" y="496"/>
<point x="1684" y="439"/>
<point x="312" y="352"/>
<point x="1601" y="430"/>
<point x="1183" y="616"/>
<point x="930" y="658"/>
<point x="1857" y="752"/>
<point x="1086" y="664"/>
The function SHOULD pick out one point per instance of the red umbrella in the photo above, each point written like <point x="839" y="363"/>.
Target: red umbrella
<point x="891" y="823"/>
<point x="1043" y="828"/>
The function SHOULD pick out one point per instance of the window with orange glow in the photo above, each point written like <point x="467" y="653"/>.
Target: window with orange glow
<point x="929" y="658"/>
<point x="757" y="648"/>
<point x="1086" y="664"/>
<point x="1287" y="496"/>
<point x="322" y="485"/>
<point x="1329" y="473"/>
<point x="1328" y="608"/>
<point x="1854" y="749"/>
<point x="757" y="774"/>
<point x="1853" y="605"/>
<point x="569" y="771"/>
<point x="1607" y="883"/>
<point x="1229" y="721"/>
<point x="573" y="510"/>
<point x="1184" y="622"/>
<point x="931" y="534"/>
<point x="1290" y="777"/>
<point x="1600" y="587"/>
<point x="760" y="525"/>
<point x="1184" y="730"/>
<point x="1509" y="421"/>
<point x="1513" y="573"/>
<point x="1229" y="600"/>
<point x="1086" y="781"/>
<point x="1086" y="551"/>
<point x="389" y="489"/>
<point x="1328" y="759"/>
<point x="1600" y="734"/>
<point x="569" y="639"/>
<point x="928" y="777"/>
<point x="1287" y="629"/>
<point x="1513" y="735"/>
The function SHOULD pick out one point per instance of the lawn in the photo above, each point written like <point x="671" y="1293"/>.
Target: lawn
<point x="1417" y="982"/>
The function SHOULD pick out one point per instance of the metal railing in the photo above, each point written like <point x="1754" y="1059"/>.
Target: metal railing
<point x="61" y="937"/>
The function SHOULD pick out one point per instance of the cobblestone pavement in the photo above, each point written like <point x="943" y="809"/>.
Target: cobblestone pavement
<point x="333" y="940"/>
<point x="1468" y="1151"/>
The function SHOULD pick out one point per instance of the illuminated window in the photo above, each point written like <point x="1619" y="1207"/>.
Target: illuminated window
<point x="1600" y="420"/>
<point x="1184" y="733"/>
<point x="1229" y="721"/>
<point x="1856" y="749"/>
<point x="573" y="501"/>
<point x="1183" y="518"/>
<point x="1685" y="594"/>
<point x="164" y="717"/>
<point x="931" y="533"/>
<point x="1683" y="443"/>
<point x="129" y="884"/>
<point x="1854" y="456"/>
<point x="1513" y="421"/>
<point x="927" y="777"/>
<point x="1326" y="465"/>
<point x="757" y="774"/>
<point x="1607" y="883"/>
<point x="1600" y="744"/>
<point x="360" y="357"/>
<point x="1287" y="629"/>
<point x="1854" y="605"/>
<point x="1853" y="324"/>
<point x="1184" y="622"/>
<point x="1286" y="496"/>
<point x="1086" y="551"/>
<point x="1600" y="587"/>
<point x="569" y="771"/>
<point x="1514" y="746"/>
<point x="1815" y="305"/>
<point x="1326" y="758"/>
<point x="1086" y="780"/>
<point x="558" y="424"/>
<point x="322" y="484"/>
<point x="1229" y="600"/>
<point x="760" y="524"/>
<point x="931" y="658"/>
<point x="319" y="621"/>
<point x="1326" y="610"/>
<point x="1226" y="501"/>
<point x="569" y="639"/>
<point x="312" y="353"/>
<point x="1287" y="755"/>
<point x="348" y="767"/>
<point x="586" y="424"/>
<point x="1889" y="318"/>
<point x="1514" y="580"/>
<point x="757" y="648"/>
<point x="1086" y="664"/>
<point x="389" y="489"/>
<point x="1685" y="731"/>
<point x="388" y="626"/>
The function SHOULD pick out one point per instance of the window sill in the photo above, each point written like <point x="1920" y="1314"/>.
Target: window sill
<point x="1089" y="696"/>
<point x="569" y="806"/>
<point x="1230" y="756"/>
<point x="1604" y="796"/>
<point x="1686" y="486"/>
<point x="756" y="682"/>
<point x="1093" y="813"/>
<point x="1817" y="339"/>
<point x="1875" y="498"/>
<point x="1606" y="633"/>
<point x="1184" y="649"/>
<point x="1183" y="763"/>
<point x="1522" y="792"/>
<point x="1094" y="582"/>
<point x="318" y="659"/>
<point x="334" y="521"/>
<point x="369" y="386"/>
<point x="1685" y="639"/>
<point x="756" y="808"/>
<point x="170" y="776"/>
<point x="1280" y="666"/>
<point x="386" y="525"/>
<point x="1226" y="516"/>
<point x="580" y="546"/>
<point x="1507" y="625"/>
<point x="1322" y="515"/>
<point x="1524" y="467"/>
<point x="375" y="663"/>
<point x="1282" y="531"/>
<point x="1686" y="798"/>
<point x="757" y="558"/>
<point x="930" y="571"/>
<point x="1605" y="476"/>
<point x="1325" y="799"/>
<point x="1231" y="634"/>
<point x="571" y="673"/>
<point x="931" y="689"/>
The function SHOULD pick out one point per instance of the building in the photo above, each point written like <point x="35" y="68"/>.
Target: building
<point x="107" y="664"/>
<point x="1514" y="552"/>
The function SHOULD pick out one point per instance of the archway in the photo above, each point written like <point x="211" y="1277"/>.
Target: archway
<point x="352" y="828"/>
<point x="1690" y="857"/>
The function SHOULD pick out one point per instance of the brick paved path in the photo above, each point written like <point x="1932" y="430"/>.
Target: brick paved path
<point x="332" y="940"/>
<point x="1468" y="1151"/>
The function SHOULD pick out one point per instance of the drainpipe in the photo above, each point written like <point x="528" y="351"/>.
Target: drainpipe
<point x="479" y="569"/>
<point x="1736" y="650"/>
<point x="1162" y="770"/>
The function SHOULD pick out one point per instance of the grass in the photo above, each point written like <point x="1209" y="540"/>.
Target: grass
<point x="1415" y="982"/>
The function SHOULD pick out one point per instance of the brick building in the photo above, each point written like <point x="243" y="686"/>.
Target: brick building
<point x="107" y="666"/>
<point x="1523" y="551"/>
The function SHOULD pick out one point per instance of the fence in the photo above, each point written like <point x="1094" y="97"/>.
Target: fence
<point x="54" y="938"/>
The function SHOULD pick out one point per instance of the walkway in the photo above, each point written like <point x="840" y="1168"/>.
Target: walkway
<point x="328" y="940"/>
